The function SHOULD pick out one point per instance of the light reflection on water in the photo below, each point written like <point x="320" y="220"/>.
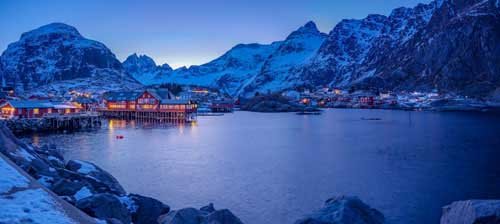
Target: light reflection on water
<point x="273" y="168"/>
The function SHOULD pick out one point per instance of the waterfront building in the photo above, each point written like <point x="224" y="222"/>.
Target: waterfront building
<point x="36" y="108"/>
<point x="150" y="104"/>
<point x="222" y="106"/>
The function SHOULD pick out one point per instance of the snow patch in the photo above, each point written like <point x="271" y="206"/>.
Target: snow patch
<point x="86" y="168"/>
<point x="82" y="193"/>
<point x="10" y="178"/>
<point x="129" y="203"/>
<point x="32" y="206"/>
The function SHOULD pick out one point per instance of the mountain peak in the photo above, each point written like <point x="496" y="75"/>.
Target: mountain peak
<point x="50" y="29"/>
<point x="309" y="28"/>
<point x="140" y="59"/>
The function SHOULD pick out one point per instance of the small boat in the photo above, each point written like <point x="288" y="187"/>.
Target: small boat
<point x="119" y="137"/>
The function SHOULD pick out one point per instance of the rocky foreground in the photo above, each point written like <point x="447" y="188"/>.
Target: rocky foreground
<point x="59" y="191"/>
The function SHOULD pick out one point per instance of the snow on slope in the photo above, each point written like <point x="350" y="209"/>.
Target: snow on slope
<point x="24" y="202"/>
<point x="281" y="69"/>
<point x="228" y="72"/>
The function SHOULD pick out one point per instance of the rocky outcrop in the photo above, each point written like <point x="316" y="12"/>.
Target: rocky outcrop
<point x="271" y="103"/>
<point x="105" y="206"/>
<point x="472" y="212"/>
<point x="147" y="210"/>
<point x="205" y="215"/>
<point x="344" y="210"/>
<point x="100" y="179"/>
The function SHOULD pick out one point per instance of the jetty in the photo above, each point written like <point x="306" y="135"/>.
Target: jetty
<point x="54" y="122"/>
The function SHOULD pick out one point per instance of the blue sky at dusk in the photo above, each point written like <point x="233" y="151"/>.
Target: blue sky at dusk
<point x="183" y="32"/>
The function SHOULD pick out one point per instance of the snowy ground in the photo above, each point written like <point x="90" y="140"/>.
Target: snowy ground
<point x="24" y="201"/>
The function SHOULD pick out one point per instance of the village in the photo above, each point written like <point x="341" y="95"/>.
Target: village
<point x="180" y="104"/>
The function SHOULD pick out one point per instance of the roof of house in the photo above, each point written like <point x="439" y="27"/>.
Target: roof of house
<point x="174" y="102"/>
<point x="30" y="103"/>
<point x="160" y="94"/>
<point x="63" y="105"/>
<point x="121" y="96"/>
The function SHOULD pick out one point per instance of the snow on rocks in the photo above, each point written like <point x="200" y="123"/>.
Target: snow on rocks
<point x="101" y="180"/>
<point x="472" y="212"/>
<point x="80" y="183"/>
<point x="345" y="210"/>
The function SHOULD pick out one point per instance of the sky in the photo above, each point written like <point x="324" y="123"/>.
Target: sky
<point x="183" y="32"/>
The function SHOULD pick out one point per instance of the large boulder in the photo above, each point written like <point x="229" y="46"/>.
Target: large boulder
<point x="344" y="210"/>
<point x="101" y="180"/>
<point x="472" y="212"/>
<point x="182" y="216"/>
<point x="205" y="215"/>
<point x="146" y="210"/>
<point x="105" y="206"/>
<point x="223" y="216"/>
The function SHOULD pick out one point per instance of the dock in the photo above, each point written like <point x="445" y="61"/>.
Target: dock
<point x="180" y="116"/>
<point x="55" y="122"/>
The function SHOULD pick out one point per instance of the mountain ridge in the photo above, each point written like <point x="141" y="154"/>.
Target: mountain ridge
<point x="445" y="46"/>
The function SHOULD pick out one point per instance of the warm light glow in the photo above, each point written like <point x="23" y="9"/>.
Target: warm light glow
<point x="36" y="111"/>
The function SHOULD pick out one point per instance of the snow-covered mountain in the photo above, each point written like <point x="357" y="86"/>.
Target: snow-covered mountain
<point x="248" y="67"/>
<point x="144" y="69"/>
<point x="448" y="45"/>
<point x="55" y="55"/>
<point x="282" y="68"/>
<point x="230" y="72"/>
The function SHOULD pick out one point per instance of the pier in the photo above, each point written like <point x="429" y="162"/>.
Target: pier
<point x="180" y="116"/>
<point x="55" y="122"/>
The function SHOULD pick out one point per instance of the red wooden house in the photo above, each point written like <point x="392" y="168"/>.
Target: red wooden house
<point x="26" y="108"/>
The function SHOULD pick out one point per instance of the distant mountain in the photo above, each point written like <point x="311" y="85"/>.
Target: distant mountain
<point x="144" y="69"/>
<point x="249" y="67"/>
<point x="230" y="72"/>
<point x="56" y="54"/>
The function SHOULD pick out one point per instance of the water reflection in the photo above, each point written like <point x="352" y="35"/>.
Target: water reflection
<point x="272" y="168"/>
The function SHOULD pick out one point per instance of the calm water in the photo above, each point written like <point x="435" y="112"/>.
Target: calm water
<point x="274" y="168"/>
